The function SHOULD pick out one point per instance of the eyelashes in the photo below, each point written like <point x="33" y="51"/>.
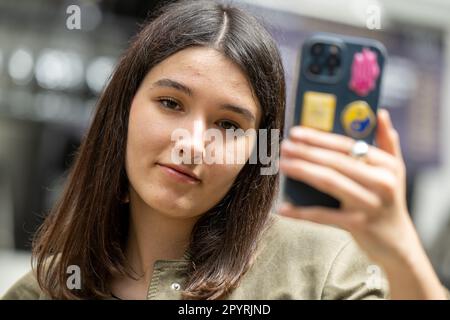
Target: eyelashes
<point x="235" y="126"/>
<point x="174" y="105"/>
<point x="164" y="102"/>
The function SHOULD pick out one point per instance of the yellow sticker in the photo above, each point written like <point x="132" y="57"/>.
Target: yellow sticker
<point x="358" y="119"/>
<point x="318" y="110"/>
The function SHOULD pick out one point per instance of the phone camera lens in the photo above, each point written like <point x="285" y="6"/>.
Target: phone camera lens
<point x="334" y="50"/>
<point x="317" y="49"/>
<point x="333" y="61"/>
<point x="315" y="69"/>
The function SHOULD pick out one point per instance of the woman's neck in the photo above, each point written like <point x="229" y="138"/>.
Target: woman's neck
<point x="155" y="236"/>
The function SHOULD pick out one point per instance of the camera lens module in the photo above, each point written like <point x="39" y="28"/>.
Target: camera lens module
<point x="315" y="68"/>
<point x="333" y="61"/>
<point x="317" y="49"/>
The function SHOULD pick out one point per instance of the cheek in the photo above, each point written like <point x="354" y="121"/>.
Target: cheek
<point x="222" y="176"/>
<point x="147" y="136"/>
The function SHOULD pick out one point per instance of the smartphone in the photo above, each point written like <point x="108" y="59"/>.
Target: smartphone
<point x="338" y="91"/>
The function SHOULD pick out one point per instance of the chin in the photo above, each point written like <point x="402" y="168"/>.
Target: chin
<point x="172" y="206"/>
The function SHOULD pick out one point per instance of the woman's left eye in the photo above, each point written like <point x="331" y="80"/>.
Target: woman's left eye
<point x="229" y="125"/>
<point x="169" y="103"/>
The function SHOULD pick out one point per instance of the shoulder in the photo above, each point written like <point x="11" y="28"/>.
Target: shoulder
<point x="327" y="255"/>
<point x="298" y="242"/>
<point x="25" y="288"/>
<point x="312" y="238"/>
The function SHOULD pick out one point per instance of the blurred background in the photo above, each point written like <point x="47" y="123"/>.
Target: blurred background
<point x="53" y="68"/>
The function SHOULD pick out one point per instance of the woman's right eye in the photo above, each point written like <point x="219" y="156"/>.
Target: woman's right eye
<point x="169" y="103"/>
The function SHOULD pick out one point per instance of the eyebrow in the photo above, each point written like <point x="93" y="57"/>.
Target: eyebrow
<point x="185" y="89"/>
<point x="240" y="110"/>
<point x="173" y="84"/>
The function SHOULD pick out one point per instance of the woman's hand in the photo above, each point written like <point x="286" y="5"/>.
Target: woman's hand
<point x="373" y="200"/>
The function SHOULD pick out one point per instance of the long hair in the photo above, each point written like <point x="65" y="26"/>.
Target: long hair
<point x="88" y="225"/>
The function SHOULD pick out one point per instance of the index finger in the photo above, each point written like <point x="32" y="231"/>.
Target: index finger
<point x="341" y="143"/>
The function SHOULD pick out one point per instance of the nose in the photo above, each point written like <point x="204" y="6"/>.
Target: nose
<point x="192" y="147"/>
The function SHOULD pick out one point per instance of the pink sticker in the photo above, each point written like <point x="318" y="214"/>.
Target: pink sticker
<point x="364" y="72"/>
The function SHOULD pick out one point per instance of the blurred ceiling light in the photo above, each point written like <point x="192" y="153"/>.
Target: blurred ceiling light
<point x="59" y="70"/>
<point x="91" y="16"/>
<point x="98" y="72"/>
<point x="20" y="66"/>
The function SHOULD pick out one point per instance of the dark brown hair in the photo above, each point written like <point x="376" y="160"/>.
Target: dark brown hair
<point x="88" y="225"/>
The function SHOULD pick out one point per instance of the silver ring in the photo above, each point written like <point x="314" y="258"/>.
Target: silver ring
<point x="359" y="149"/>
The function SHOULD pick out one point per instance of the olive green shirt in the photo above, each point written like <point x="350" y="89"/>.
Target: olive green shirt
<point x="295" y="260"/>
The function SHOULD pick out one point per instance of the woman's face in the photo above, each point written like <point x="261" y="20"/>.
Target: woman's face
<point x="195" y="89"/>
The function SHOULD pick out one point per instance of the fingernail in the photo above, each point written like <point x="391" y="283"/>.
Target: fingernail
<point x="286" y="144"/>
<point x="283" y="163"/>
<point x="387" y="116"/>
<point x="296" y="131"/>
<point x="285" y="206"/>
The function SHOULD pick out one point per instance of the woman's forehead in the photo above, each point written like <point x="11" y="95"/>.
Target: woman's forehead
<point x="202" y="63"/>
<point x="207" y="71"/>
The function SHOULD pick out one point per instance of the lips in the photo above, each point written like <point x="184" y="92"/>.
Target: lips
<point x="181" y="171"/>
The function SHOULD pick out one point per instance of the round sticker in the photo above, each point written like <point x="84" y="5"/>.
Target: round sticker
<point x="358" y="119"/>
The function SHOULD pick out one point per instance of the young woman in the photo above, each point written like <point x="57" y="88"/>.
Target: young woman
<point x="132" y="224"/>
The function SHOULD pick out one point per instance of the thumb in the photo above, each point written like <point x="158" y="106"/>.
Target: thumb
<point x="387" y="137"/>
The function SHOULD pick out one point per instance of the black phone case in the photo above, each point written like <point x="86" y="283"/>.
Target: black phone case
<point x="297" y="192"/>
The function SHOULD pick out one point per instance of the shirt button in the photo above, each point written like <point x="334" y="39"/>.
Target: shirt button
<point x="175" y="286"/>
